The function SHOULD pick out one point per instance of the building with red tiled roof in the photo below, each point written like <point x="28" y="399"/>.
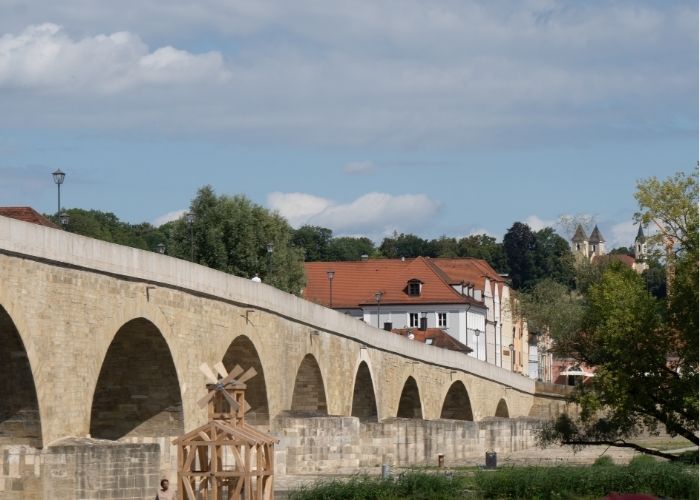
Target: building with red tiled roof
<point x="397" y="294"/>
<point x="27" y="214"/>
<point x="476" y="278"/>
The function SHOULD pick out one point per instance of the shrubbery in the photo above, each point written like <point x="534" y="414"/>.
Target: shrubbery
<point x="410" y="485"/>
<point x="641" y="476"/>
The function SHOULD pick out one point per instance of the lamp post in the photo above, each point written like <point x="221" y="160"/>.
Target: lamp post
<point x="270" y="248"/>
<point x="378" y="298"/>
<point x="64" y="219"/>
<point x="476" y="334"/>
<point x="189" y="217"/>
<point x="330" y="275"/>
<point x="512" y="354"/>
<point x="160" y="248"/>
<point x="58" y="178"/>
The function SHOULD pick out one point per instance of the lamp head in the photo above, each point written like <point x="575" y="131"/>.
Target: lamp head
<point x="58" y="176"/>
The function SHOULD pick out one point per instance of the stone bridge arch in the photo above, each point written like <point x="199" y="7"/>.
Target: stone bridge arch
<point x="364" y="394"/>
<point x="502" y="409"/>
<point x="242" y="351"/>
<point x="410" y="403"/>
<point x="137" y="392"/>
<point x="309" y="394"/>
<point x="20" y="415"/>
<point x="456" y="403"/>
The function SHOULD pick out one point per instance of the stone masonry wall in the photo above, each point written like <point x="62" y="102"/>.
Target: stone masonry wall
<point x="344" y="444"/>
<point x="80" y="469"/>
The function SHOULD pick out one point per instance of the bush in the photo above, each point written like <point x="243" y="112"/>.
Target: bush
<point x="689" y="457"/>
<point x="410" y="485"/>
<point x="604" y="460"/>
<point x="657" y="478"/>
<point x="642" y="461"/>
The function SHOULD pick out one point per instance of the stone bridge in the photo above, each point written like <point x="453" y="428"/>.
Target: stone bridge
<point x="103" y="342"/>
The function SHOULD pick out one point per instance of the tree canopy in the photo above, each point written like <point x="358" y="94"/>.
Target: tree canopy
<point x="106" y="226"/>
<point x="643" y="346"/>
<point x="234" y="235"/>
<point x="535" y="256"/>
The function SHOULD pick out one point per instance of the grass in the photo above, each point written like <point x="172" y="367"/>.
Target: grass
<point x="409" y="485"/>
<point x="642" y="475"/>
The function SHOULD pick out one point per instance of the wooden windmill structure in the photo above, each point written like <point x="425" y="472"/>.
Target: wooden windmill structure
<point x="225" y="459"/>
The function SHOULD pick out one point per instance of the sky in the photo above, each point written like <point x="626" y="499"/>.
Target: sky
<point x="440" y="117"/>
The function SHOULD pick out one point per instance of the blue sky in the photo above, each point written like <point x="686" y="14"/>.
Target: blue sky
<point x="440" y="117"/>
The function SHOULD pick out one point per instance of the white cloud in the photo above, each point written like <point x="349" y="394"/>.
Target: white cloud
<point x="44" y="57"/>
<point x="373" y="214"/>
<point x="297" y="208"/>
<point x="393" y="73"/>
<point x="536" y="223"/>
<point x="359" y="167"/>
<point x="170" y="216"/>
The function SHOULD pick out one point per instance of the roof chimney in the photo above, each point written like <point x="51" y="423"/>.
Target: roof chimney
<point x="403" y="259"/>
<point x="364" y="257"/>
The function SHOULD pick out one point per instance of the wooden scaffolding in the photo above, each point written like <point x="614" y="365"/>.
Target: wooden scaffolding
<point x="225" y="459"/>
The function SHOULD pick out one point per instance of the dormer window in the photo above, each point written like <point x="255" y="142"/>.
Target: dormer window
<point x="414" y="288"/>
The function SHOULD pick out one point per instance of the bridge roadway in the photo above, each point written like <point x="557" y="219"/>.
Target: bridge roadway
<point x="102" y="340"/>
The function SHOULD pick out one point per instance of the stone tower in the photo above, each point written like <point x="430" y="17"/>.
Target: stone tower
<point x="640" y="251"/>
<point x="596" y="243"/>
<point x="579" y="243"/>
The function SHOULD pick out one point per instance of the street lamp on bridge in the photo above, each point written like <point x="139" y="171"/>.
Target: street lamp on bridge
<point x="378" y="298"/>
<point x="330" y="275"/>
<point x="58" y="178"/>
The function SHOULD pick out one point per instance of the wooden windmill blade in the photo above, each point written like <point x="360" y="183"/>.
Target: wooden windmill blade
<point x="207" y="372"/>
<point x="221" y="369"/>
<point x="205" y="400"/>
<point x="237" y="370"/>
<point x="250" y="373"/>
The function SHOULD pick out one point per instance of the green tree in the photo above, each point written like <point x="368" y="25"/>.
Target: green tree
<point x="350" y="248"/>
<point x="483" y="246"/>
<point x="232" y="234"/>
<point x="519" y="246"/>
<point x="669" y="206"/>
<point x="444" y="247"/>
<point x="314" y="240"/>
<point x="106" y="226"/>
<point x="644" y="349"/>
<point x="622" y="251"/>
<point x="552" y="309"/>
<point x="553" y="258"/>
<point x="405" y="245"/>
<point x="655" y="278"/>
<point x="533" y="257"/>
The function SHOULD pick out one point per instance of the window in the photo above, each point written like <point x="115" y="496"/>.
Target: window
<point x="414" y="288"/>
<point x="413" y="320"/>
<point x="442" y="320"/>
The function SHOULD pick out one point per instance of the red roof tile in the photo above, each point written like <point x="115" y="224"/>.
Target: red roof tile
<point x="27" y="214"/>
<point x="356" y="282"/>
<point x="468" y="270"/>
<point x="435" y="336"/>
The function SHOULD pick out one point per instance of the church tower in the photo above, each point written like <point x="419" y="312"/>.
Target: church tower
<point x="640" y="251"/>
<point x="579" y="243"/>
<point x="596" y="243"/>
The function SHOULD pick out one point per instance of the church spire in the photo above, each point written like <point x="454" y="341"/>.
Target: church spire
<point x="640" y="235"/>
